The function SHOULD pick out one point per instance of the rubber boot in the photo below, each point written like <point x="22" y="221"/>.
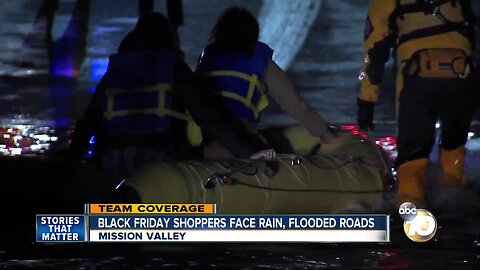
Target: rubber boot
<point x="451" y="164"/>
<point x="412" y="177"/>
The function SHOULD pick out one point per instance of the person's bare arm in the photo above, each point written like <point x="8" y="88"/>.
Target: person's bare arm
<point x="282" y="90"/>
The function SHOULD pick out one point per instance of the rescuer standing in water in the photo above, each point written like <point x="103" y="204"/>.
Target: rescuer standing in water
<point x="239" y="72"/>
<point x="433" y="41"/>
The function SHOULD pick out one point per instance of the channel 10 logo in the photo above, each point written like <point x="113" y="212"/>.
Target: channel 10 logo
<point x="419" y="224"/>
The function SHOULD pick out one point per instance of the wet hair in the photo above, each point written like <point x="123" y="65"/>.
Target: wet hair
<point x="152" y="31"/>
<point x="236" y="30"/>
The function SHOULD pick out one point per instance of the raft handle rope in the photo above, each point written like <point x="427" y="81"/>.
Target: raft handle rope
<point x="307" y="190"/>
<point x="225" y="178"/>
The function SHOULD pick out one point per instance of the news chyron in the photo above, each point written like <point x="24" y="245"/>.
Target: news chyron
<point x="202" y="223"/>
<point x="419" y="224"/>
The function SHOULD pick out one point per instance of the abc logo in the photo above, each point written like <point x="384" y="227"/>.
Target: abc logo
<point x="419" y="225"/>
<point x="422" y="228"/>
<point x="408" y="211"/>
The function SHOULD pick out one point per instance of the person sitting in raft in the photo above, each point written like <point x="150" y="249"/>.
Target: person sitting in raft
<point x="143" y="106"/>
<point x="238" y="70"/>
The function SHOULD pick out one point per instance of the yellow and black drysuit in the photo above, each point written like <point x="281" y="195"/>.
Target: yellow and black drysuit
<point x="433" y="41"/>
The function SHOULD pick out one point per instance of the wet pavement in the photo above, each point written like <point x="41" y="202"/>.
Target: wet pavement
<point x="324" y="72"/>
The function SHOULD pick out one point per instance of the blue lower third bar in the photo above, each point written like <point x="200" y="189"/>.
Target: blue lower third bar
<point x="61" y="228"/>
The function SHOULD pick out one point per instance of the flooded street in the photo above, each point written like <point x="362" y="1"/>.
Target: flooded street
<point x="39" y="106"/>
<point x="455" y="246"/>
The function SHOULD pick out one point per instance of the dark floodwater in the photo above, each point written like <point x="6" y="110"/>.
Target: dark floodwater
<point x="455" y="246"/>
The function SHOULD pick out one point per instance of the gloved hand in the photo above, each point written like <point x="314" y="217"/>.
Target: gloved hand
<point x="365" y="115"/>
<point x="264" y="154"/>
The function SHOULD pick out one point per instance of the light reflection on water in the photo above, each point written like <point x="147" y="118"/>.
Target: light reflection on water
<point x="30" y="137"/>
<point x="22" y="136"/>
<point x="26" y="140"/>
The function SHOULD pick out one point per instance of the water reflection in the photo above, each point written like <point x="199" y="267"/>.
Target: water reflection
<point x="67" y="55"/>
<point x="55" y="64"/>
<point x="20" y="135"/>
<point x="25" y="140"/>
<point x="446" y="252"/>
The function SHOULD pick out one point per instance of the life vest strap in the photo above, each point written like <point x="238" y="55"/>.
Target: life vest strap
<point x="162" y="88"/>
<point x="178" y="115"/>
<point x="401" y="10"/>
<point x="194" y="133"/>
<point x="432" y="31"/>
<point x="160" y="110"/>
<point x="252" y="79"/>
<point x="241" y="99"/>
<point x="254" y="83"/>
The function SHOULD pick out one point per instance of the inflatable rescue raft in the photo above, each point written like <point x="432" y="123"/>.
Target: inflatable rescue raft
<point x="316" y="178"/>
